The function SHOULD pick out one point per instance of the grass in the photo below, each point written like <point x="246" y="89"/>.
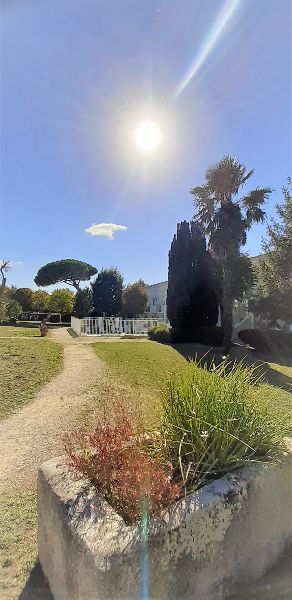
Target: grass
<point x="141" y="365"/>
<point x="138" y="366"/>
<point x="26" y="365"/>
<point x="136" y="371"/>
<point x="18" y="541"/>
<point x="7" y="331"/>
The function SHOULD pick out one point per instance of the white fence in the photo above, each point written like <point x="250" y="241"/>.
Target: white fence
<point x="112" y="326"/>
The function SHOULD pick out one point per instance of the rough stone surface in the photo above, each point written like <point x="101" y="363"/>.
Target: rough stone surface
<point x="230" y="531"/>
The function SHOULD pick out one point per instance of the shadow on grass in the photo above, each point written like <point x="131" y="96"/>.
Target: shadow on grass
<point x="36" y="587"/>
<point x="72" y="332"/>
<point x="250" y="357"/>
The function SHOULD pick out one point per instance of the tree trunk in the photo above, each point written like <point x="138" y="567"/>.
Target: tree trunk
<point x="3" y="283"/>
<point x="227" y="302"/>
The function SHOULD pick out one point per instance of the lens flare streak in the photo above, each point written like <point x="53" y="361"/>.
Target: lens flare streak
<point x="144" y="552"/>
<point x="224" y="16"/>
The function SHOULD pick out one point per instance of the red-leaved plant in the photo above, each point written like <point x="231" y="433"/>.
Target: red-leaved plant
<point x="119" y="466"/>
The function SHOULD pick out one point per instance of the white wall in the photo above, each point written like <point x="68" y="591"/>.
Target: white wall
<point x="76" y="325"/>
<point x="156" y="294"/>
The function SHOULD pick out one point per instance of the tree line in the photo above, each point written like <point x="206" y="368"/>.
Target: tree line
<point x="107" y="294"/>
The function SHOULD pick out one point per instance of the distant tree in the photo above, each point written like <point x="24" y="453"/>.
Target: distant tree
<point x="40" y="300"/>
<point x="243" y="277"/>
<point x="68" y="271"/>
<point x="24" y="296"/>
<point x="134" y="299"/>
<point x="4" y="301"/>
<point x="4" y="293"/>
<point x="3" y="311"/>
<point x="5" y="266"/>
<point x="273" y="300"/>
<point x="83" y="304"/>
<point x="191" y="297"/>
<point x="61" y="301"/>
<point x="107" y="293"/>
<point x="13" y="309"/>
<point x="224" y="218"/>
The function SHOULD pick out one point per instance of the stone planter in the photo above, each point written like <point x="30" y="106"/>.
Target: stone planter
<point x="230" y="531"/>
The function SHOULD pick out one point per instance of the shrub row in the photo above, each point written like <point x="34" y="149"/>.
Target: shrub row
<point x="212" y="336"/>
<point x="160" y="333"/>
<point x="268" y="341"/>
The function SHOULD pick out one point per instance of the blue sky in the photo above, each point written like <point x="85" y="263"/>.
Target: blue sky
<point x="76" y="78"/>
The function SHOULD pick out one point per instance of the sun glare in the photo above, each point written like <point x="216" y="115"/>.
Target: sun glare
<point x="148" y="136"/>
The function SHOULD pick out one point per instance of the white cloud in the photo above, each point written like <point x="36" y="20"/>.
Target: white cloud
<point x="105" y="229"/>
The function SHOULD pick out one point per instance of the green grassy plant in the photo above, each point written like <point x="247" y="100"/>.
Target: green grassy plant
<point x="216" y="420"/>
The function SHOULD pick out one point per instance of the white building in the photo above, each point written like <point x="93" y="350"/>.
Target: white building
<point x="156" y="307"/>
<point x="156" y="294"/>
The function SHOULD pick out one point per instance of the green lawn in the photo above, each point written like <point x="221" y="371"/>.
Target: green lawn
<point x="7" y="331"/>
<point x="26" y="365"/>
<point x="135" y="373"/>
<point x="141" y="366"/>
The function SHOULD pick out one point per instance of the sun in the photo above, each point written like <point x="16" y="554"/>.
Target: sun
<point x="148" y="136"/>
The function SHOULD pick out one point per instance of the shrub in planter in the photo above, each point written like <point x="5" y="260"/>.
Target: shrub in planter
<point x="122" y="470"/>
<point x="160" y="333"/>
<point x="43" y="329"/>
<point x="215" y="421"/>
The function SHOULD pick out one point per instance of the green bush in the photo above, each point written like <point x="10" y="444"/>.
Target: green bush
<point x="13" y="309"/>
<point x="160" y="333"/>
<point x="215" y="421"/>
<point x="269" y="341"/>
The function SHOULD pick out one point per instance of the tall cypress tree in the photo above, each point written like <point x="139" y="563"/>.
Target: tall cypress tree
<point x="191" y="299"/>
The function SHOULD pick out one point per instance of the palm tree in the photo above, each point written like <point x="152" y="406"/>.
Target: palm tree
<point x="225" y="218"/>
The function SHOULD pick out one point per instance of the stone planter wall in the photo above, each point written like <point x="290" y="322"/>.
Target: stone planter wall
<point x="231" y="530"/>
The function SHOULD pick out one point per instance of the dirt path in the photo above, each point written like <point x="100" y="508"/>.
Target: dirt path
<point x="35" y="433"/>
